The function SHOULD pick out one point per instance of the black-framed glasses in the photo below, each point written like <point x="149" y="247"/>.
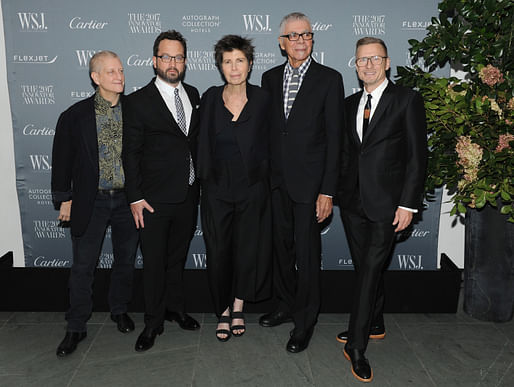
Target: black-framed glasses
<point x="375" y="60"/>
<point x="167" y="58"/>
<point x="294" y="36"/>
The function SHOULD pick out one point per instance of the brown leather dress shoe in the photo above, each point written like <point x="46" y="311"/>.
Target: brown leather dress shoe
<point x="361" y="369"/>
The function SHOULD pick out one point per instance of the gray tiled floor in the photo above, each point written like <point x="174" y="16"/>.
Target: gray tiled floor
<point x="419" y="350"/>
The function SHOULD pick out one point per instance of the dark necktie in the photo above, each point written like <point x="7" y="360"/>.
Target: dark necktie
<point x="367" y="113"/>
<point x="292" y="90"/>
<point x="181" y="121"/>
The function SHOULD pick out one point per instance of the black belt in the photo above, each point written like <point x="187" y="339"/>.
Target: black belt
<point x="110" y="192"/>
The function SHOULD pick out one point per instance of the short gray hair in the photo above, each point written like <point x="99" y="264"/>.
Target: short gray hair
<point x="290" y="17"/>
<point x="94" y="62"/>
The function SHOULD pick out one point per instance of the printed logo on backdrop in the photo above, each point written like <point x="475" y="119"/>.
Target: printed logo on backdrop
<point x="345" y="262"/>
<point x="256" y="24"/>
<point x="415" y="25"/>
<point x="201" y="60"/>
<point x="38" y="94"/>
<point x="199" y="260"/>
<point x="42" y="261"/>
<point x="40" y="163"/>
<point x="318" y="26"/>
<point x="48" y="229"/>
<point x="409" y="261"/>
<point x="78" y="23"/>
<point x="40" y="196"/>
<point x="200" y="23"/>
<point x="77" y="95"/>
<point x="37" y="130"/>
<point x="136" y="60"/>
<point x="319" y="56"/>
<point x="105" y="260"/>
<point x="32" y="21"/>
<point x="144" y="23"/>
<point x="263" y="60"/>
<point x="369" y="25"/>
<point x="34" y="59"/>
<point x="84" y="55"/>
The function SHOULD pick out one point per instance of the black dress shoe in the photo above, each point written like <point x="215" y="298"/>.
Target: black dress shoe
<point x="361" y="369"/>
<point x="274" y="319"/>
<point x="184" y="320"/>
<point x="69" y="343"/>
<point x="124" y="322"/>
<point x="146" y="339"/>
<point x="299" y="342"/>
<point x="375" y="333"/>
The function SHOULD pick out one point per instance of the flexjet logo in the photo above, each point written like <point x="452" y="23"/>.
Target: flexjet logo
<point x="415" y="25"/>
<point x="34" y="59"/>
<point x="32" y="21"/>
<point x="40" y="163"/>
<point x="257" y="24"/>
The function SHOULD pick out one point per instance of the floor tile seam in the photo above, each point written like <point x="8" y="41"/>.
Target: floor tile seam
<point x="500" y="353"/>
<point x="421" y="363"/>
<point x="198" y="353"/>
<point x="84" y="357"/>
<point x="505" y="373"/>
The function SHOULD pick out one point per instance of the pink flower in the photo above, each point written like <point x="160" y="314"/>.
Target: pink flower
<point x="490" y="75"/>
<point x="503" y="141"/>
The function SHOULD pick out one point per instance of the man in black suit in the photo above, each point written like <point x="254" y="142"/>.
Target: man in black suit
<point x="307" y="121"/>
<point x="87" y="189"/>
<point x="160" y="127"/>
<point x="381" y="186"/>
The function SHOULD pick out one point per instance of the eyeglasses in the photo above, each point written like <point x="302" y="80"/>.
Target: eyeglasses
<point x="375" y="60"/>
<point x="294" y="36"/>
<point x="167" y="58"/>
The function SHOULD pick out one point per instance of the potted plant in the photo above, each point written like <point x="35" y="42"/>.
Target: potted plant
<point x="471" y="139"/>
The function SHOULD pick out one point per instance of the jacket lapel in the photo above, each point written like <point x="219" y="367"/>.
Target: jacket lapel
<point x="155" y="96"/>
<point x="352" y="117"/>
<point x="89" y="132"/>
<point x="309" y="82"/>
<point x="384" y="102"/>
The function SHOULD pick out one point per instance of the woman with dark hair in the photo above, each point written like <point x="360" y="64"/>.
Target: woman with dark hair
<point x="232" y="167"/>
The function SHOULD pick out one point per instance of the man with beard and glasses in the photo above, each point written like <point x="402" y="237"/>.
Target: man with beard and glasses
<point x="160" y="127"/>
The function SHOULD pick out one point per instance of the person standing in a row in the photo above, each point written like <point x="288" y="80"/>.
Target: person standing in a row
<point x="307" y="121"/>
<point x="233" y="160"/>
<point x="381" y="186"/>
<point x="88" y="190"/>
<point x="160" y="127"/>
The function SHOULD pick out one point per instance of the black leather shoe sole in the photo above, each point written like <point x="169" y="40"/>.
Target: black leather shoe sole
<point x="353" y="371"/>
<point x="343" y="337"/>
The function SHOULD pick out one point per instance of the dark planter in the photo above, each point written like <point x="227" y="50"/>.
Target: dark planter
<point x="489" y="265"/>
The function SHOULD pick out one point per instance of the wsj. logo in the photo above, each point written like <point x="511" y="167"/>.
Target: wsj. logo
<point x="410" y="262"/>
<point x="32" y="21"/>
<point x="200" y="260"/>
<point x="84" y="56"/>
<point x="257" y="23"/>
<point x="40" y="162"/>
<point x="319" y="56"/>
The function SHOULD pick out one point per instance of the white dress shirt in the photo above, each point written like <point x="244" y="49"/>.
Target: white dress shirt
<point x="168" y="94"/>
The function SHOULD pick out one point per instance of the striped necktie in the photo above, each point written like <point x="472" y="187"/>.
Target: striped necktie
<point x="292" y="90"/>
<point x="181" y="121"/>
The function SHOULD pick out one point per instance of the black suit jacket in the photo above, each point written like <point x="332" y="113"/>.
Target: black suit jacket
<point x="155" y="150"/>
<point x="75" y="169"/>
<point x="389" y="166"/>
<point x="305" y="149"/>
<point x="252" y="133"/>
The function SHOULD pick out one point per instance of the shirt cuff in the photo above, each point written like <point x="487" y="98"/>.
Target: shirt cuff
<point x="409" y="209"/>
<point x="137" y="201"/>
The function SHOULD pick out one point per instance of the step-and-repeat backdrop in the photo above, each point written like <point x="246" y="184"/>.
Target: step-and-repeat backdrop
<point x="49" y="44"/>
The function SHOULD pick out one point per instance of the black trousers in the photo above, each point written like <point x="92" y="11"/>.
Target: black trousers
<point x="237" y="237"/>
<point x="370" y="246"/>
<point x="297" y="258"/>
<point x="165" y="241"/>
<point x="108" y="209"/>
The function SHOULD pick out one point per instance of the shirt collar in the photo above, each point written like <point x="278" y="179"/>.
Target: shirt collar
<point x="302" y="69"/>
<point x="166" y="87"/>
<point x="102" y="102"/>
<point x="377" y="93"/>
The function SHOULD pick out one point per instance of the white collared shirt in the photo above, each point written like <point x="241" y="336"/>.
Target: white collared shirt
<point x="375" y="99"/>
<point x="168" y="94"/>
